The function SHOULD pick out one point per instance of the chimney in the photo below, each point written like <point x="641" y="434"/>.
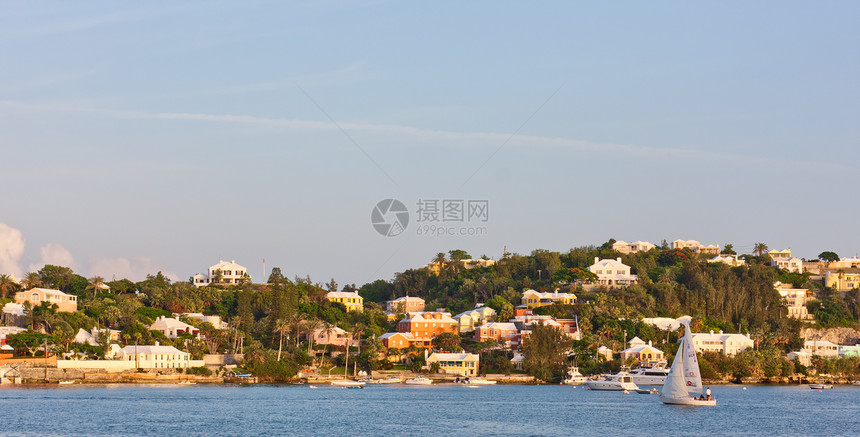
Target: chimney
<point x="596" y="260"/>
<point x="721" y="332"/>
<point x="619" y="259"/>
<point x="649" y="343"/>
<point x="712" y="332"/>
<point x="156" y="343"/>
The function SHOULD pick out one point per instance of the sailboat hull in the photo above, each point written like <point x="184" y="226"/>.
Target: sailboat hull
<point x="690" y="401"/>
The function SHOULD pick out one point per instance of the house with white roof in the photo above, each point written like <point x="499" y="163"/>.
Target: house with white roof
<point x="468" y="320"/>
<point x="462" y="364"/>
<point x="845" y="263"/>
<point x="667" y="323"/>
<point x="350" y="299"/>
<point x="154" y="356"/>
<point x="726" y="344"/>
<point x="612" y="273"/>
<point x="534" y="299"/>
<point x="730" y="259"/>
<point x="636" y="246"/>
<point x="795" y="300"/>
<point x="398" y="340"/>
<point x="803" y="357"/>
<point x="66" y="303"/>
<point x="642" y="352"/>
<point x="783" y="260"/>
<point x="502" y="332"/>
<point x="696" y="247"/>
<point x="605" y="352"/>
<point x="223" y="273"/>
<point x="172" y="328"/>
<point x="404" y="304"/>
<point x="822" y="348"/>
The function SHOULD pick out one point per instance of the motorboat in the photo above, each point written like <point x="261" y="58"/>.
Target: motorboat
<point x="419" y="380"/>
<point x="473" y="381"/>
<point x="685" y="378"/>
<point x="369" y="381"/>
<point x="66" y="382"/>
<point x="346" y="383"/>
<point x="820" y="385"/>
<point x="619" y="382"/>
<point x="654" y="375"/>
<point x="391" y="380"/>
<point x="574" y="377"/>
<point x="643" y="391"/>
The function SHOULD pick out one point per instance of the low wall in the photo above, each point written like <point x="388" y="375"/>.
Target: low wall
<point x="216" y="360"/>
<point x="112" y="365"/>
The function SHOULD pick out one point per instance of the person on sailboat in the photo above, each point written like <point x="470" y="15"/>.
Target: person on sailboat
<point x="708" y="393"/>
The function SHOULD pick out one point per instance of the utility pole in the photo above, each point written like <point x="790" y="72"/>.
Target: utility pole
<point x="46" y="360"/>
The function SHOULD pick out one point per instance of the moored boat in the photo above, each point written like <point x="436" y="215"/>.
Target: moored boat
<point x="619" y="382"/>
<point x="821" y="385"/>
<point x="347" y="383"/>
<point x="574" y="377"/>
<point x="653" y="375"/>
<point x="391" y="380"/>
<point x="419" y="380"/>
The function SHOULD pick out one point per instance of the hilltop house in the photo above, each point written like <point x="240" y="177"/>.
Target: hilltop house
<point x="696" y="247"/>
<point x="534" y="299"/>
<point x="351" y="300"/>
<point x="468" y="264"/>
<point x="172" y="328"/>
<point x="732" y="260"/>
<point x="783" y="260"/>
<point x="612" y="273"/>
<point x="223" y="273"/>
<point x="636" y="246"/>
<point x="66" y="303"/>
<point x="842" y="279"/>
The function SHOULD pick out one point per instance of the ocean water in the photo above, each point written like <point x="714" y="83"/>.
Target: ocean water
<point x="500" y="410"/>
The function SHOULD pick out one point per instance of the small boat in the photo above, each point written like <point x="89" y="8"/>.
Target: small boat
<point x="855" y="383"/>
<point x="419" y="380"/>
<point x="244" y="375"/>
<point x="353" y="387"/>
<point x="347" y="383"/>
<point x="369" y="381"/>
<point x="473" y="381"/>
<point x="574" y="377"/>
<point x="186" y="383"/>
<point x="618" y="382"/>
<point x="66" y="382"/>
<point x="684" y="377"/>
<point x="820" y="385"/>
<point x="312" y="386"/>
<point x="391" y="380"/>
<point x="653" y="391"/>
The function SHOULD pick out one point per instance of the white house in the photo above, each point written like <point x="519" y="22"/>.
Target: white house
<point x="732" y="260"/>
<point x="795" y="300"/>
<point x="636" y="246"/>
<point x="667" y="323"/>
<point x="225" y="272"/>
<point x="612" y="272"/>
<point x="154" y="356"/>
<point x="726" y="344"/>
<point x="696" y="247"/>
<point x="822" y="348"/>
<point x="784" y="260"/>
<point x="172" y="328"/>
<point x="404" y="304"/>
<point x="803" y="356"/>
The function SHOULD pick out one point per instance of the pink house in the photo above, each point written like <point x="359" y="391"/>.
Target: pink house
<point x="502" y="332"/>
<point x="332" y="335"/>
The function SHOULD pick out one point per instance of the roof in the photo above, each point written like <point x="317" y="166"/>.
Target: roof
<point x="408" y="299"/>
<point x="453" y="357"/>
<point x="635" y="340"/>
<point x="224" y="265"/>
<point x="152" y="349"/>
<point x="420" y="317"/>
<point x="352" y="294"/>
<point x="504" y="326"/>
<point x="611" y="263"/>
<point x="639" y="348"/>
<point x="168" y="323"/>
<point x="48" y="291"/>
<point x="710" y="336"/>
<point x="478" y="311"/>
<point x="818" y="343"/>
<point x="392" y="334"/>
<point x="549" y="295"/>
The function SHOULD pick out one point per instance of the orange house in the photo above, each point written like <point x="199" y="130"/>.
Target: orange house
<point x="428" y="325"/>
<point x="65" y="302"/>
<point x="502" y="332"/>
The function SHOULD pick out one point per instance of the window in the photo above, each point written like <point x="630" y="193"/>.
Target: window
<point x="34" y="297"/>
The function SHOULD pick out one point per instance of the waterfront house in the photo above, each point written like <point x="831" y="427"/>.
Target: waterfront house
<point x="351" y="300"/>
<point x="726" y="344"/>
<point x="462" y="364"/>
<point x="612" y="273"/>
<point x="398" y="340"/>
<point x="66" y="303"/>
<point x="172" y="328"/>
<point x="535" y="299"/>
<point x="642" y="352"/>
<point x="332" y="335"/>
<point x="223" y="273"/>
<point x="803" y="357"/>
<point x="822" y="348"/>
<point x="154" y="356"/>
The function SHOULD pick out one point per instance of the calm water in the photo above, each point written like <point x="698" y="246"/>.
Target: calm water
<point x="434" y="410"/>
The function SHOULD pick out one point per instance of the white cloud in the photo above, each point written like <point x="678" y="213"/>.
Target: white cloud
<point x="53" y="254"/>
<point x="134" y="269"/>
<point x="11" y="250"/>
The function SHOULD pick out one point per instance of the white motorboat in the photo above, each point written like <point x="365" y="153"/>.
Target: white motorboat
<point x="347" y="383"/>
<point x="574" y="377"/>
<point x="419" y="380"/>
<point x="391" y="380"/>
<point x="369" y="381"/>
<point x="474" y="381"/>
<point x="619" y="382"/>
<point x="820" y="385"/>
<point x="654" y="375"/>
<point x="684" y="377"/>
<point x="66" y="382"/>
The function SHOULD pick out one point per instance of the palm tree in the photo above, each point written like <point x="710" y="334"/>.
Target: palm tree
<point x="96" y="283"/>
<point x="311" y="326"/>
<point x="440" y="260"/>
<point x="31" y="280"/>
<point x="760" y="249"/>
<point x="7" y="284"/>
<point x="281" y="327"/>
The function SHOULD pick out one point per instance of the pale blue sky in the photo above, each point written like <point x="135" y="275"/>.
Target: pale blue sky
<point x="136" y="137"/>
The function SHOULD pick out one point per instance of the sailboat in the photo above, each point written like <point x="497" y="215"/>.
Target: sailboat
<point x="684" y="377"/>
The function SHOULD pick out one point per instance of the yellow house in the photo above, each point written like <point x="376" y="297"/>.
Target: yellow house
<point x="534" y="299"/>
<point x="456" y="364"/>
<point x="352" y="301"/>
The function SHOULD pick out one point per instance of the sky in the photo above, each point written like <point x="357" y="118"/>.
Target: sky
<point x="137" y="138"/>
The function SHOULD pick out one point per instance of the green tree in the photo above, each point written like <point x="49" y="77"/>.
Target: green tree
<point x="504" y="309"/>
<point x="760" y="249"/>
<point x="729" y="249"/>
<point x="7" y="286"/>
<point x="447" y="342"/>
<point x="828" y="257"/>
<point x="546" y="351"/>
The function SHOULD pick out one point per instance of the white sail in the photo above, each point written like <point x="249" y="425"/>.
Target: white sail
<point x="692" y="376"/>
<point x="675" y="387"/>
